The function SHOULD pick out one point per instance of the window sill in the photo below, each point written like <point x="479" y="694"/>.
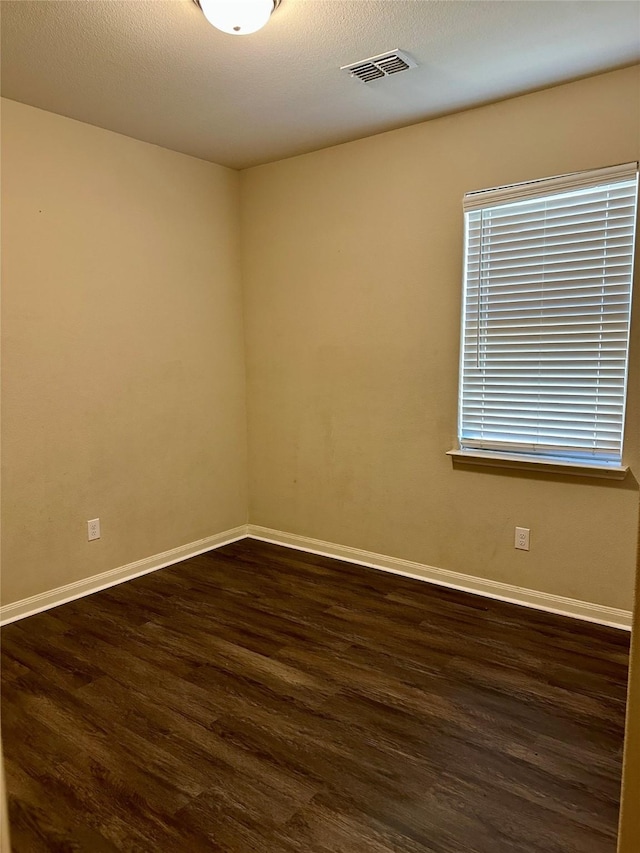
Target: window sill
<point x="526" y="463"/>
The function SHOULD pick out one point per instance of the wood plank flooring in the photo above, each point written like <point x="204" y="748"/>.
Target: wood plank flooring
<point x="260" y="699"/>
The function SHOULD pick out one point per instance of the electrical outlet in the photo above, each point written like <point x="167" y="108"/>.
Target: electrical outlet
<point x="522" y="538"/>
<point x="93" y="529"/>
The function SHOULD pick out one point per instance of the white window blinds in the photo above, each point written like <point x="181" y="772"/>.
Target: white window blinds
<point x="547" y="304"/>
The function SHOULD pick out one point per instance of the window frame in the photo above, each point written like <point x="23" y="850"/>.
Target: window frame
<point x="498" y="454"/>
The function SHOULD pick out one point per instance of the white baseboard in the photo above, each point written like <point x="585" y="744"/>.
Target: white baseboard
<point x="69" y="592"/>
<point x="584" y="610"/>
<point x="442" y="577"/>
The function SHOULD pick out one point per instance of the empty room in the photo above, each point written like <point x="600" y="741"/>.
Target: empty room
<point x="320" y="426"/>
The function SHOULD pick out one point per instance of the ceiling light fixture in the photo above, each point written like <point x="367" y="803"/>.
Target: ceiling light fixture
<point x="237" y="17"/>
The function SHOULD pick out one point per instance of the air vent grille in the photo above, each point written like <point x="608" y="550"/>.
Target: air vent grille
<point x="383" y="65"/>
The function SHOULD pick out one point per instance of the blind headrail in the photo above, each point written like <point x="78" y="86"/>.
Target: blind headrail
<point x="547" y="186"/>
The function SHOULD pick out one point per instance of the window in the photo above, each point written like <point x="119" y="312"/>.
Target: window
<point x="546" y="311"/>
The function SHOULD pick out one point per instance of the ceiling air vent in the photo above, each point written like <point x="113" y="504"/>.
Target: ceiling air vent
<point x="383" y="65"/>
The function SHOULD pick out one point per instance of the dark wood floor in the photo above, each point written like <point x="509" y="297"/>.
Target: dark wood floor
<point x="261" y="699"/>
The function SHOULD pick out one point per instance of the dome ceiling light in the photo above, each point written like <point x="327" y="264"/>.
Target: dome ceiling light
<point x="237" y="17"/>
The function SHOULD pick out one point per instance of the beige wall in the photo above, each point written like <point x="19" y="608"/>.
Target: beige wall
<point x="352" y="265"/>
<point x="123" y="354"/>
<point x="629" y="837"/>
<point x="629" y="834"/>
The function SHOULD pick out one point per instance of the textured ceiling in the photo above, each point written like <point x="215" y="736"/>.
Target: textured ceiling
<point x="159" y="72"/>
